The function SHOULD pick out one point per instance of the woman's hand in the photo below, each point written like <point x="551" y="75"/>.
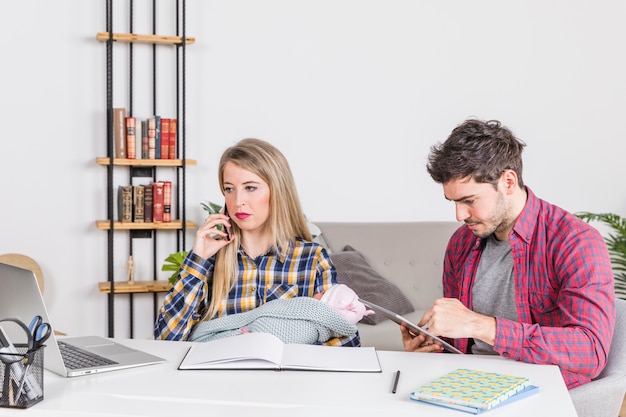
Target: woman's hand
<point x="208" y="238"/>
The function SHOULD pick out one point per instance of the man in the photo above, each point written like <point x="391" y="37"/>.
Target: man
<point x="522" y="278"/>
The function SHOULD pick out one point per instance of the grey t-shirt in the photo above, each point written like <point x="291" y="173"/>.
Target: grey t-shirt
<point x="493" y="293"/>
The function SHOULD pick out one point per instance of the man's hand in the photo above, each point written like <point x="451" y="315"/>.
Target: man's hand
<point x="448" y="317"/>
<point x="418" y="342"/>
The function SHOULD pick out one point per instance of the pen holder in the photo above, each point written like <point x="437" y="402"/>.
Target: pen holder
<point x="22" y="377"/>
<point x="21" y="371"/>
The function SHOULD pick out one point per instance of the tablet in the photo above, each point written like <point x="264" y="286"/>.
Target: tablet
<point x="399" y="319"/>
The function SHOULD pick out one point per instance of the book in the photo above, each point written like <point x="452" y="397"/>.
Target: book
<point x="147" y="203"/>
<point x="266" y="351"/>
<point x="138" y="139"/>
<point x="151" y="138"/>
<point x="138" y="203"/>
<point x="157" y="137"/>
<point x="125" y="203"/>
<point x="469" y="389"/>
<point x="167" y="201"/>
<point x="165" y="138"/>
<point x="157" y="202"/>
<point x="131" y="138"/>
<point x="144" y="139"/>
<point x="173" y="130"/>
<point x="529" y="390"/>
<point x="119" y="131"/>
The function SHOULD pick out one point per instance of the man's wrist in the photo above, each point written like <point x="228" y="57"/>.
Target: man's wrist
<point x="486" y="329"/>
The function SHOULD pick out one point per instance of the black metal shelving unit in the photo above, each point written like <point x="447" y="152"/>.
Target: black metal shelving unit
<point x="142" y="167"/>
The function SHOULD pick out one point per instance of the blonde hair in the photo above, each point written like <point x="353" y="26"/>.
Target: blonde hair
<point x="286" y="220"/>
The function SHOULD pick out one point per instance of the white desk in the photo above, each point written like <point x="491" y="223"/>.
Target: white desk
<point x="162" y="390"/>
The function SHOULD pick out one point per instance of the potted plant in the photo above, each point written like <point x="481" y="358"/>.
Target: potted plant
<point x="616" y="243"/>
<point x="175" y="260"/>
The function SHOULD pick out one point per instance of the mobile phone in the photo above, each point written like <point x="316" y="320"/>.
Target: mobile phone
<point x="227" y="229"/>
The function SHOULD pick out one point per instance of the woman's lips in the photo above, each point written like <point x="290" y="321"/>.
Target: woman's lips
<point x="241" y="215"/>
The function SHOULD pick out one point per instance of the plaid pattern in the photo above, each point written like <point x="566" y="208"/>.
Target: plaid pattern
<point x="303" y="271"/>
<point x="563" y="291"/>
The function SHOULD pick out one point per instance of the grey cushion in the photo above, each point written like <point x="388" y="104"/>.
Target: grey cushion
<point x="604" y="395"/>
<point x="354" y="271"/>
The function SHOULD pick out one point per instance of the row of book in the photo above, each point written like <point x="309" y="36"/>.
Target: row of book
<point x="149" y="203"/>
<point x="152" y="138"/>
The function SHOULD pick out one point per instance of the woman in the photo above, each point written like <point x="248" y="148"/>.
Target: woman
<point x="261" y="252"/>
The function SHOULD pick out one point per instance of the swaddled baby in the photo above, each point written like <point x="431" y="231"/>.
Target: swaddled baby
<point x="343" y="299"/>
<point x="307" y="320"/>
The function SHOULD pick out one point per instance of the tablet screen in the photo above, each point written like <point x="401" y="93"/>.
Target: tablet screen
<point x="399" y="319"/>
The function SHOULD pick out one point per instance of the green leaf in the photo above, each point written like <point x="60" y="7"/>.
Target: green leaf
<point x="615" y="243"/>
<point x="211" y="208"/>
<point x="173" y="263"/>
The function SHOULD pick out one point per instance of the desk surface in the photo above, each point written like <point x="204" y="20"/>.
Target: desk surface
<point x="162" y="390"/>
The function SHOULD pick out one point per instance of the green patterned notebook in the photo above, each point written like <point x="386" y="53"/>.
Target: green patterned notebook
<point x="471" y="388"/>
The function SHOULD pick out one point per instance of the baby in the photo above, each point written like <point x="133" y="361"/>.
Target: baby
<point x="344" y="300"/>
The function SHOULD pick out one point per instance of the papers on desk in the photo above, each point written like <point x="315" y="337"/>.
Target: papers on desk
<point x="474" y="391"/>
<point x="266" y="351"/>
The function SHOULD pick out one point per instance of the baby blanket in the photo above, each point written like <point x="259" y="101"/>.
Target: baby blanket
<point x="294" y="320"/>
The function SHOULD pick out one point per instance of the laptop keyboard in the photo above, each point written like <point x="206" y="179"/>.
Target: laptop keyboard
<point x="77" y="358"/>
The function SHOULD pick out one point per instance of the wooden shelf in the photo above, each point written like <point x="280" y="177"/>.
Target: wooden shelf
<point x="125" y="287"/>
<point x="149" y="39"/>
<point x="117" y="225"/>
<point x="146" y="162"/>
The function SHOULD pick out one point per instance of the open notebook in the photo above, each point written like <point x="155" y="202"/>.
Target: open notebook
<point x="20" y="298"/>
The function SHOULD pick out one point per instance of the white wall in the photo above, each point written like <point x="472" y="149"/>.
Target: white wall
<point x="354" y="92"/>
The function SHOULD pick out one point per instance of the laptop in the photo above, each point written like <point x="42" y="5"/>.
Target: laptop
<point x="412" y="326"/>
<point x="20" y="298"/>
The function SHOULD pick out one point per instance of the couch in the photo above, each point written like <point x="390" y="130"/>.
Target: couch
<point x="406" y="258"/>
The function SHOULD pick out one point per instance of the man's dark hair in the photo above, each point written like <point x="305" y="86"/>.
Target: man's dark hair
<point x="482" y="150"/>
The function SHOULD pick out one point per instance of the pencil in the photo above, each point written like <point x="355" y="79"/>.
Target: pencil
<point x="395" y="382"/>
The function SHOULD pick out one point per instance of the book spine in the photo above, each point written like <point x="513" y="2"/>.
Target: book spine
<point x="157" y="202"/>
<point x="165" y="138"/>
<point x="167" y="201"/>
<point x="157" y="137"/>
<point x="144" y="140"/>
<point x="173" y="132"/>
<point x="138" y="204"/>
<point x="152" y="138"/>
<point x="131" y="139"/>
<point x="138" y="133"/>
<point x="125" y="201"/>
<point x="147" y="203"/>
<point x="119" y="131"/>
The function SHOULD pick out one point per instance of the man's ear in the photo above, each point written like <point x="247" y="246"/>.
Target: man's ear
<point x="509" y="180"/>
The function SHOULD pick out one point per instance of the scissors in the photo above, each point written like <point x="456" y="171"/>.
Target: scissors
<point x="40" y="331"/>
